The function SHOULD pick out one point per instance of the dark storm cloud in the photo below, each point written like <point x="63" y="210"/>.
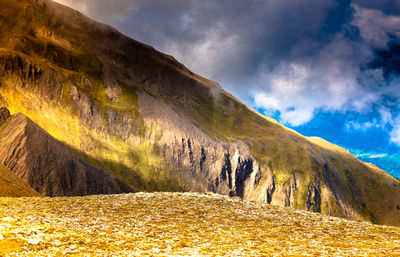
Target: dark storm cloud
<point x="225" y="39"/>
<point x="387" y="6"/>
<point x="238" y="35"/>
<point x="288" y="58"/>
<point x="388" y="59"/>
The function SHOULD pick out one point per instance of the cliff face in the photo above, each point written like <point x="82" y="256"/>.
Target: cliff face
<point x="143" y="117"/>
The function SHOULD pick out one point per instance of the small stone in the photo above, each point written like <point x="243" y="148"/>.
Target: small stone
<point x="156" y="250"/>
<point x="34" y="241"/>
<point x="1" y="237"/>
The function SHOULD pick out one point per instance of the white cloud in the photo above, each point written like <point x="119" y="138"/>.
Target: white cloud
<point x="395" y="133"/>
<point x="328" y="81"/>
<point x="363" y="126"/>
<point x="285" y="92"/>
<point x="334" y="78"/>
<point x="371" y="155"/>
<point x="386" y="115"/>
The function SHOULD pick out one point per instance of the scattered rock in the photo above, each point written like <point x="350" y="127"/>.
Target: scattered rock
<point x="184" y="224"/>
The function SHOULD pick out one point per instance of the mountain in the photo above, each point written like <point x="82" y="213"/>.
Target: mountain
<point x="124" y="108"/>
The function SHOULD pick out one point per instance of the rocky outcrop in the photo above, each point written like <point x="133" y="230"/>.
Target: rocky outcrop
<point x="270" y="191"/>
<point x="47" y="165"/>
<point x="290" y="192"/>
<point x="314" y="197"/>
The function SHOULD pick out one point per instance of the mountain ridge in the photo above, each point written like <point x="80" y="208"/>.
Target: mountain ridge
<point x="146" y="119"/>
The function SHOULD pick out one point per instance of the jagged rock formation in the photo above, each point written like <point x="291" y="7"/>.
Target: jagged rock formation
<point x="47" y="165"/>
<point x="145" y="118"/>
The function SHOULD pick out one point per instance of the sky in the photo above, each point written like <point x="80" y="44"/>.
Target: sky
<point x="328" y="68"/>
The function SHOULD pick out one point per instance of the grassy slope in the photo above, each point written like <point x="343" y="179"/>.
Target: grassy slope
<point x="12" y="185"/>
<point x="172" y="224"/>
<point x="139" y="163"/>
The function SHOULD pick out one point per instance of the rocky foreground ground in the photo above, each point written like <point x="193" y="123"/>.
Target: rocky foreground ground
<point x="180" y="224"/>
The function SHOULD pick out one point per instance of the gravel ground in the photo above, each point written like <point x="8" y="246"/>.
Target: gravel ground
<point x="180" y="224"/>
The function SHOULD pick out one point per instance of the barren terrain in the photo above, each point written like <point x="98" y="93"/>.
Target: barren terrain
<point x="180" y="224"/>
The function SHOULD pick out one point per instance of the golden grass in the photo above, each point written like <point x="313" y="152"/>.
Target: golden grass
<point x="328" y="145"/>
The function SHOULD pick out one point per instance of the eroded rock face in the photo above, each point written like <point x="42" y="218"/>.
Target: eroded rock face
<point x="270" y="191"/>
<point x="118" y="123"/>
<point x="47" y="165"/>
<point x="28" y="75"/>
<point x="290" y="192"/>
<point x="222" y="167"/>
<point x="314" y="197"/>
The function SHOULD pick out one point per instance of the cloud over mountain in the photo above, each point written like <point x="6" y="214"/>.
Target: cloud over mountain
<point x="289" y="59"/>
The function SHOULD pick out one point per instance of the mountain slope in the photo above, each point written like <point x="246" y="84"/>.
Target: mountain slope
<point x="181" y="224"/>
<point x="141" y="116"/>
<point x="29" y="153"/>
<point x="12" y="185"/>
